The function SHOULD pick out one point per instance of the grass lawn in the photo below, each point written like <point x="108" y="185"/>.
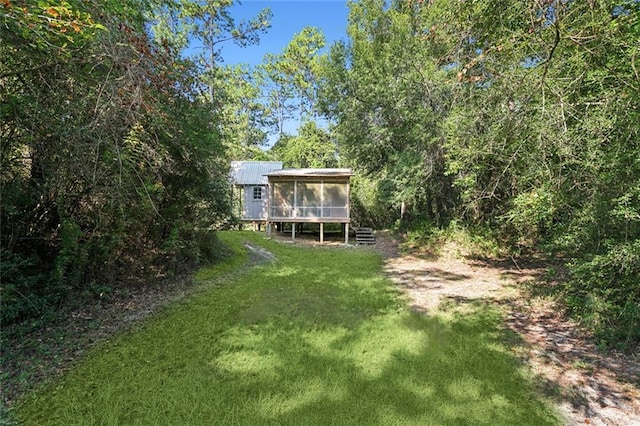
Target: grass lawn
<point x="317" y="337"/>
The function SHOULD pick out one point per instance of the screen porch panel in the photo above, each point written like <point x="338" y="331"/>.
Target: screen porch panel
<point x="310" y="200"/>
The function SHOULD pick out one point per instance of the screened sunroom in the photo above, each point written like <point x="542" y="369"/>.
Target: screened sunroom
<point x="309" y="196"/>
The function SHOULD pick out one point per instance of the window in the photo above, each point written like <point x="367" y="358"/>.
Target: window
<point x="257" y="193"/>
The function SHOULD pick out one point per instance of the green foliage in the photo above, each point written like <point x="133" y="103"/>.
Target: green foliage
<point x="231" y="255"/>
<point x="299" y="66"/>
<point x="532" y="213"/>
<point x="367" y="205"/>
<point x="428" y="238"/>
<point x="174" y="23"/>
<point x="604" y="292"/>
<point x="106" y="149"/>
<point x="312" y="148"/>
<point x="290" y="79"/>
<point x="517" y="117"/>
<point x="186" y="247"/>
<point x="71" y="258"/>
<point x="26" y="291"/>
<point x="49" y="24"/>
<point x="425" y="237"/>
<point x="243" y="116"/>
<point x="385" y="92"/>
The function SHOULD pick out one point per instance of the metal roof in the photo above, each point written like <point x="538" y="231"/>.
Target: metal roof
<point x="311" y="172"/>
<point x="252" y="172"/>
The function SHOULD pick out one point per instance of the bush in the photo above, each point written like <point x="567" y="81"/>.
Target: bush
<point x="424" y="235"/>
<point x="26" y="291"/>
<point x="186" y="247"/>
<point x="604" y="293"/>
<point x="430" y="238"/>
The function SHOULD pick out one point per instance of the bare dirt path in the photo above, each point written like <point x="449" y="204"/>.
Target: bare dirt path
<point x="589" y="386"/>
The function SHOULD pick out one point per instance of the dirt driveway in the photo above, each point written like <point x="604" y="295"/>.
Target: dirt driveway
<point x="590" y="387"/>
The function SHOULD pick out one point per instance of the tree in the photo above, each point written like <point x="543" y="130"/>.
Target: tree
<point x="291" y="78"/>
<point x="242" y="115"/>
<point x="543" y="142"/>
<point x="278" y="93"/>
<point x="108" y="156"/>
<point x="529" y="109"/>
<point x="311" y="148"/>
<point x="300" y="66"/>
<point x="523" y="143"/>
<point x="385" y="92"/>
<point x="178" y="22"/>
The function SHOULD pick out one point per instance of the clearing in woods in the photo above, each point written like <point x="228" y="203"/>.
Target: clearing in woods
<point x="589" y="386"/>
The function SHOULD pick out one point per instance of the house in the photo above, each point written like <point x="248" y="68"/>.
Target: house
<point x="250" y="193"/>
<point x="309" y="196"/>
<point x="264" y="192"/>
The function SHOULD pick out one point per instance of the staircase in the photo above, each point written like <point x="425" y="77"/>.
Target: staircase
<point x="365" y="236"/>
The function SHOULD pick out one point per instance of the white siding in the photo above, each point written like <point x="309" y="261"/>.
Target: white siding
<point x="254" y="208"/>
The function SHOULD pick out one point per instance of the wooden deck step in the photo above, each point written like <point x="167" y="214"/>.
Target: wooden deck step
<point x="365" y="236"/>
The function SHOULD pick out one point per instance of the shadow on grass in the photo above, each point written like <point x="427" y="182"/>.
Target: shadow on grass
<point x="318" y="337"/>
<point x="438" y="373"/>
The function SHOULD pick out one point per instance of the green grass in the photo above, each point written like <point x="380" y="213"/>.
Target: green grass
<point x="232" y="259"/>
<point x="318" y="337"/>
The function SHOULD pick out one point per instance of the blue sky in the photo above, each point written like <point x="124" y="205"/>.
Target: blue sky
<point x="289" y="18"/>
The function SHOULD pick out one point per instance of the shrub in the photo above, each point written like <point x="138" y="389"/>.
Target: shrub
<point x="604" y="293"/>
<point x="186" y="247"/>
<point x="26" y="291"/>
<point x="473" y="241"/>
